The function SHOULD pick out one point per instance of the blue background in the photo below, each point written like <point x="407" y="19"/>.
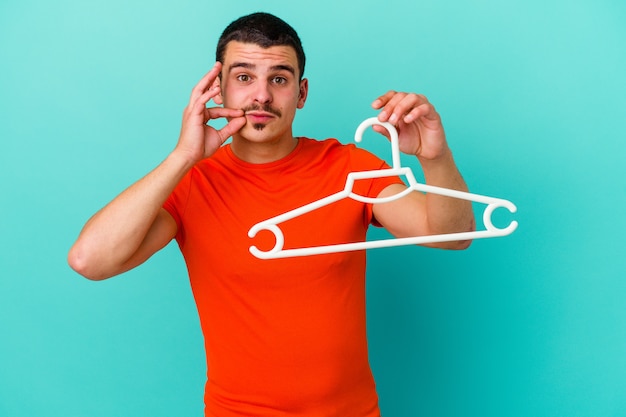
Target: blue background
<point x="532" y="94"/>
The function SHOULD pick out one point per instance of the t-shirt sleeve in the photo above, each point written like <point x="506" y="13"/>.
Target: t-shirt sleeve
<point x="364" y="160"/>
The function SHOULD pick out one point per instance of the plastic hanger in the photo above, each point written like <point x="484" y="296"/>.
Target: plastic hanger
<point x="397" y="170"/>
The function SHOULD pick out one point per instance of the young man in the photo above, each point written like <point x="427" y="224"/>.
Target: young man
<point x="283" y="337"/>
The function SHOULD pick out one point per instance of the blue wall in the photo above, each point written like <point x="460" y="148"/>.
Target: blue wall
<point x="532" y="94"/>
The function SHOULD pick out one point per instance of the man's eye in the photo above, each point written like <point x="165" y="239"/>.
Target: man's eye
<point x="279" y="80"/>
<point x="243" y="78"/>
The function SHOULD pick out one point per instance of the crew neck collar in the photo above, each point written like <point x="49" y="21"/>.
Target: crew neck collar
<point x="266" y="165"/>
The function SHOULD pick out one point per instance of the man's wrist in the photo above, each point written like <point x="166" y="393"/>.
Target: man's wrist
<point x="444" y="158"/>
<point x="181" y="159"/>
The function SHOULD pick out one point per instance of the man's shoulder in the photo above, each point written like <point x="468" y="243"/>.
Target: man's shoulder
<point x="332" y="149"/>
<point x="319" y="142"/>
<point x="332" y="144"/>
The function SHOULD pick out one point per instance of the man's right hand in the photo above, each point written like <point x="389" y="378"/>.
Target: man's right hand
<point x="198" y="140"/>
<point x="134" y="225"/>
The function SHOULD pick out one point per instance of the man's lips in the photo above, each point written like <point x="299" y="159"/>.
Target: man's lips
<point x="259" y="116"/>
<point x="261" y="111"/>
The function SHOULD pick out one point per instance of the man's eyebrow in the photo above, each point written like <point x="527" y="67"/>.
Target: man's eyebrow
<point x="246" y="65"/>
<point x="287" y="68"/>
<point x="250" y="66"/>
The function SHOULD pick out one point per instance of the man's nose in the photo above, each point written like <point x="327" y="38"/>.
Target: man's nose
<point x="263" y="94"/>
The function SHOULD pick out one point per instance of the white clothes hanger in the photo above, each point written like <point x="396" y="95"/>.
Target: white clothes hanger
<point x="397" y="170"/>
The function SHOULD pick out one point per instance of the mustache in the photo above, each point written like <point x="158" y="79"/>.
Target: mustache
<point x="266" y="108"/>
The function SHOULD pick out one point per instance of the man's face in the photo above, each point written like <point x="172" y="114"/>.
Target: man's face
<point x="265" y="84"/>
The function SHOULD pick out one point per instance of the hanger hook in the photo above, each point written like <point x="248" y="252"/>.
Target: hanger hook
<point x="393" y="133"/>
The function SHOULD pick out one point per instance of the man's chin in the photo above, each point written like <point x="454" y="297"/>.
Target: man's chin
<point x="255" y="132"/>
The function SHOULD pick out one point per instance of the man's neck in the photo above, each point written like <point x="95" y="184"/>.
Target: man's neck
<point x="264" y="152"/>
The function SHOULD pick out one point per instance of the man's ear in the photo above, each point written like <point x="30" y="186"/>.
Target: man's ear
<point x="304" y="91"/>
<point x="218" y="98"/>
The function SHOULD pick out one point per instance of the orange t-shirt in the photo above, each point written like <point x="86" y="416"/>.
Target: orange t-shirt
<point x="283" y="337"/>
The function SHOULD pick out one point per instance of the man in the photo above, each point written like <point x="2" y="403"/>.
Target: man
<point x="283" y="337"/>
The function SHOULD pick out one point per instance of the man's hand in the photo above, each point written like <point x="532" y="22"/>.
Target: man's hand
<point x="134" y="225"/>
<point x="420" y="131"/>
<point x="197" y="139"/>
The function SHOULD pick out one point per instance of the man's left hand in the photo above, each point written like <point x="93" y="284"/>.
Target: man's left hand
<point x="420" y="131"/>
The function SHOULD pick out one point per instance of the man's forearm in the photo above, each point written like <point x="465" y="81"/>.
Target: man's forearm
<point x="447" y="214"/>
<point x="114" y="234"/>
